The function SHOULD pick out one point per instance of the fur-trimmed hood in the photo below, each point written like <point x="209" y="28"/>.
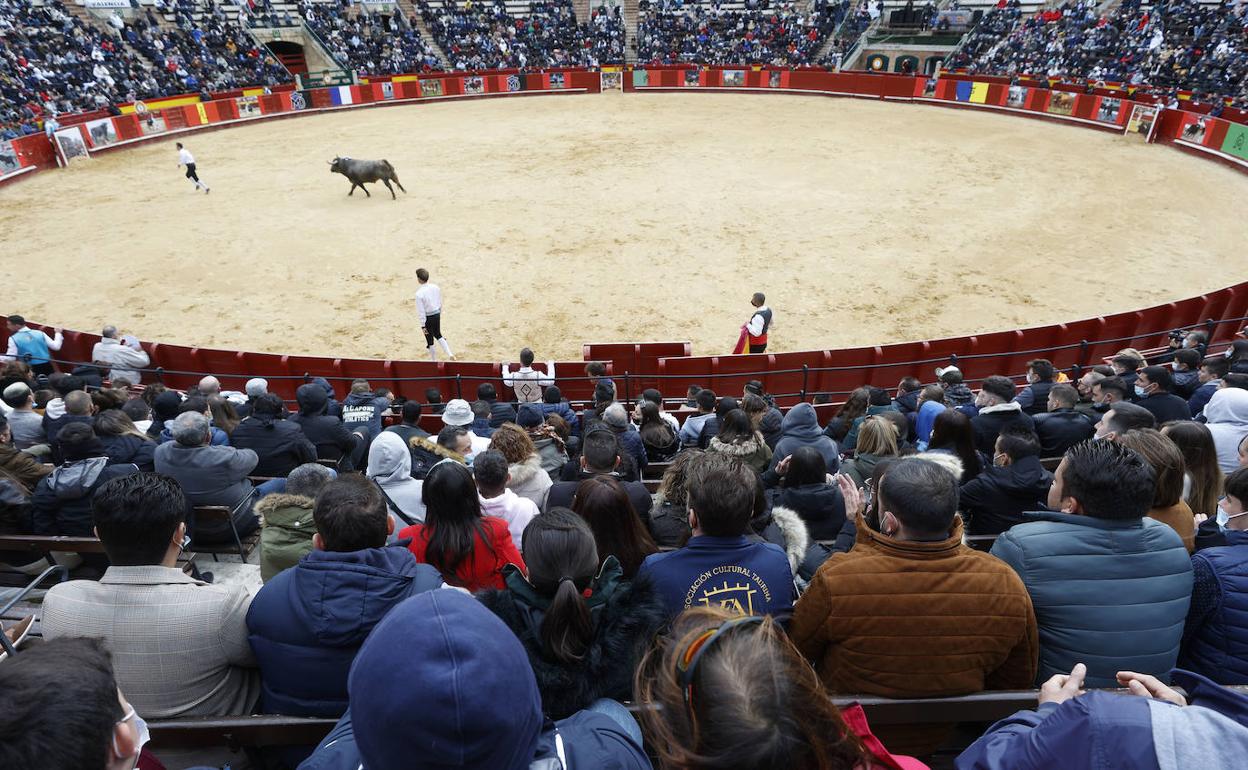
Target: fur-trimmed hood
<point x="283" y="510"/>
<point x="625" y="620"/>
<point x="524" y="473"/>
<point x="739" y="448"/>
<point x="949" y="462"/>
<point x="796" y="536"/>
<point x="434" y="448"/>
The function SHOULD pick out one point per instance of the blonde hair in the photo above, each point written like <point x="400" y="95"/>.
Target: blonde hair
<point x="877" y="436"/>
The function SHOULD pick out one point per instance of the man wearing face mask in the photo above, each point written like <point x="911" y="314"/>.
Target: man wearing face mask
<point x="1122" y="417"/>
<point x="83" y="722"/>
<point x="1217" y="623"/>
<point x="1152" y="392"/>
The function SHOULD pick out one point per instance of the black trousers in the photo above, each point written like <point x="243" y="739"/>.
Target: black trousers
<point x="758" y="348"/>
<point x="190" y="172"/>
<point x="433" y="328"/>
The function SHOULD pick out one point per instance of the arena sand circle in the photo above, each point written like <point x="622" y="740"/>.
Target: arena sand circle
<point x="555" y="221"/>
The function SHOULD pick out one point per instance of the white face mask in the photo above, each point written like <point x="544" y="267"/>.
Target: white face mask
<point x="140" y="726"/>
<point x="1224" y="517"/>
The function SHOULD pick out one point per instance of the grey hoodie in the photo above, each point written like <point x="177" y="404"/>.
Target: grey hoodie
<point x="390" y="465"/>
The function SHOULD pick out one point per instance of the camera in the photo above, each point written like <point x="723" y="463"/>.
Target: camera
<point x="1178" y="335"/>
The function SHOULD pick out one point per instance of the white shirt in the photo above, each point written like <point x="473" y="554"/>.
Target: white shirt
<point x="756" y="322"/>
<point x="185" y="158"/>
<point x="527" y="382"/>
<point x="515" y="510"/>
<point x="428" y="301"/>
<point x="54" y="343"/>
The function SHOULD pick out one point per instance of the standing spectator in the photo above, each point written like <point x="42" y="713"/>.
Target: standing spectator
<point x="279" y="443"/>
<point x="1035" y="397"/>
<point x="1203" y="483"/>
<point x="526" y="382"/>
<point x="525" y="474"/>
<point x="33" y="347"/>
<point x="119" y="358"/>
<point x="719" y="565"/>
<point x="307" y="623"/>
<point x="1016" y="482"/>
<point x="1152" y="389"/>
<point x="1227" y="418"/>
<point x="997" y="411"/>
<point x="1216" y="622"/>
<point x="490" y="469"/>
<point x="931" y="586"/>
<point x="179" y="644"/>
<point x="1089" y="548"/>
<point x="1062" y="427"/>
<point x="800" y="428"/>
<point x="288" y="525"/>
<point x="1170" y="470"/>
<point x="738" y="438"/>
<point x="61" y="503"/>
<point x="582" y="624"/>
<point x="617" y="527"/>
<point x="468" y="549"/>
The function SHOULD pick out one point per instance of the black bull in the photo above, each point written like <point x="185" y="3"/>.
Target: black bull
<point x="361" y="171"/>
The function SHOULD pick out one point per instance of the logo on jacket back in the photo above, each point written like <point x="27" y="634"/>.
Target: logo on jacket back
<point x="730" y="587"/>
<point x="362" y="413"/>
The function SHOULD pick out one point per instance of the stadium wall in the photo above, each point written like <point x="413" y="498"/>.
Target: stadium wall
<point x="791" y="376"/>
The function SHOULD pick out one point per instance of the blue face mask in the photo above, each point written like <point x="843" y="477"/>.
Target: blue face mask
<point x="1140" y="392"/>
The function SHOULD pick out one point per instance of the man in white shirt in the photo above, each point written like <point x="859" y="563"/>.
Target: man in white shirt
<point x="185" y="158"/>
<point x="759" y="323"/>
<point x="121" y="360"/>
<point x="526" y="382"/>
<point x="429" y="311"/>
<point x="32" y="345"/>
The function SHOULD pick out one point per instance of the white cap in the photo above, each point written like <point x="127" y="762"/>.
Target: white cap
<point x="941" y="371"/>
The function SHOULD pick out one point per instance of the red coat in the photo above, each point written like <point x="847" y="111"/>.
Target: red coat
<point x="484" y="569"/>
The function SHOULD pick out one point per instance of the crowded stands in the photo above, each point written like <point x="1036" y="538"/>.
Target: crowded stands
<point x="370" y="42"/>
<point x="488" y="36"/>
<point x="671" y="32"/>
<point x="701" y="558"/>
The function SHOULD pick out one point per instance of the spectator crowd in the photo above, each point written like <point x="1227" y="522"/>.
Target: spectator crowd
<point x="1090" y="527"/>
<point x="488" y="36"/>
<point x="785" y="34"/>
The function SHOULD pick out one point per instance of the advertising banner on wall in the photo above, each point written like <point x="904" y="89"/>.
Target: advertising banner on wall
<point x="558" y="80"/>
<point x="474" y="85"/>
<point x="387" y="90"/>
<point x="691" y="78"/>
<point x="248" y="106"/>
<point x="1061" y="103"/>
<point x="734" y="78"/>
<point x="1109" y="110"/>
<point x="69" y="140"/>
<point x="1016" y="97"/>
<point x="431" y="87"/>
<point x="515" y="82"/>
<point x="151" y="123"/>
<point x="1236" y="141"/>
<point x="8" y="158"/>
<point x="641" y="78"/>
<point x="101" y="132"/>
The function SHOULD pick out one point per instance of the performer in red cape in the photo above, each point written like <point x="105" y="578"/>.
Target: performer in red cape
<point x="759" y="323"/>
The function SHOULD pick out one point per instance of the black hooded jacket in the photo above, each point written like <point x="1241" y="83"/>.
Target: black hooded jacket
<point x="280" y="444"/>
<point x="995" y="500"/>
<point x="327" y="433"/>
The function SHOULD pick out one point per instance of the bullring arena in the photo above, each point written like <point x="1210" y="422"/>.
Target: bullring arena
<point x="550" y="222"/>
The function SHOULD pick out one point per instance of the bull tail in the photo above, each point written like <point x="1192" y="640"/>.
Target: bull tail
<point x="394" y="176"/>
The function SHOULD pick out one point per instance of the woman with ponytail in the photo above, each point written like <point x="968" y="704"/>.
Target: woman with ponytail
<point x="584" y="627"/>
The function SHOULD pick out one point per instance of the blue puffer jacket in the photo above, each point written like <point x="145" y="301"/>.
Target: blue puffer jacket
<point x="307" y="623"/>
<point x="1216" y="640"/>
<point x="1112" y="594"/>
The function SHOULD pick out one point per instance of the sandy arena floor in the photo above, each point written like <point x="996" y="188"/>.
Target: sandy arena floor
<point x="555" y="221"/>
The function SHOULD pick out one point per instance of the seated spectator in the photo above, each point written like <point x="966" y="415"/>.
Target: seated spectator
<point x="500" y="412"/>
<point x="1126" y="364"/>
<point x="658" y="439"/>
<point x="458" y="414"/>
<point x="737" y="438"/>
<point x="409" y="428"/>
<point x="1212" y="370"/>
<point x="1061" y="427"/>
<point x="21" y="466"/>
<point x="807" y="490"/>
<point x="120" y="358"/>
<point x="909" y="391"/>
<point x="997" y="411"/>
<point x="757" y="704"/>
<point x="433" y="397"/>
<point x="478" y="705"/>
<point x="526" y="382"/>
<point x="583" y="625"/>
<point x="278" y="443"/>
<point x="1105" y="393"/>
<point x="84" y="721"/>
<point x="25" y="423"/>
<point x="953" y="435"/>
<point x="764" y="416"/>
<point x="199" y="405"/>
<point x="139" y="413"/>
<point x="481" y="419"/>
<point x="1215" y="623"/>
<point x="286" y="518"/>
<point x="454" y="443"/>
<point x="710" y="428"/>
<point x="995" y="500"/>
<point x="211" y="475"/>
<point x="307" y="623"/>
<point x="490" y="469"/>
<point x="668" y="519"/>
<point x="1121" y="417"/>
<point x="617" y="527"/>
<point x="61" y="503"/>
<point x="615" y="418"/>
<point x="1151" y="725"/>
<point x="653" y="396"/>
<point x="1237" y="357"/>
<point x="123" y="442"/>
<point x="1186" y="372"/>
<point x="878" y="402"/>
<point x="327" y="433"/>
<point x="600" y="456"/>
<point x="224" y="415"/>
<point x="527" y="478"/>
<point x="551" y="448"/>
<point x="553" y="403"/>
<point x="390" y="467"/>
<point x="917" y="572"/>
<point x="255" y="388"/>
<point x="1226" y="415"/>
<point x="363" y="409"/>
<point x="691" y="431"/>
<point x="1169" y="470"/>
<point x="876" y="440"/>
<point x="1088" y="405"/>
<point x="855" y="406"/>
<point x="1202" y="484"/>
<point x="931" y="403"/>
<point x="468" y="549"/>
<point x="1152" y="391"/>
<point x="800" y="428"/>
<point x="165" y="406"/>
<point x="1083" y="565"/>
<point x="78" y="407"/>
<point x="719" y="565"/>
<point x="1035" y="397"/>
<point x="179" y="644"/>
